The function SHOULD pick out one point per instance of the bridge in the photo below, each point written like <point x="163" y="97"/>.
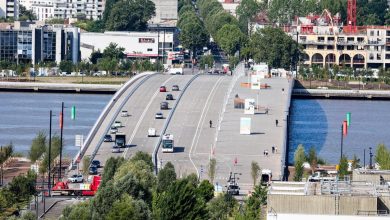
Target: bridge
<point x="202" y="97"/>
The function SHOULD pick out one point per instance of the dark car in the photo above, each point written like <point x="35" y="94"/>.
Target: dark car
<point x="93" y="170"/>
<point x="107" y="138"/>
<point x="164" y="105"/>
<point x="95" y="163"/>
<point x="233" y="189"/>
<point x="169" y="97"/>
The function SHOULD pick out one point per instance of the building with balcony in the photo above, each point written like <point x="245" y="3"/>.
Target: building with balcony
<point x="325" y="43"/>
<point x="9" y="9"/>
<point x="32" y="43"/>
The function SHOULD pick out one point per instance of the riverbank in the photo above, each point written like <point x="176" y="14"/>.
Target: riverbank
<point x="341" y="94"/>
<point x="110" y="80"/>
<point x="58" y="87"/>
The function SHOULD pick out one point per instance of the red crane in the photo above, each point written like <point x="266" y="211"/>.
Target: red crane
<point x="351" y="17"/>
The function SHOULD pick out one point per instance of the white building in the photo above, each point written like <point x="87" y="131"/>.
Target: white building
<point x="44" y="9"/>
<point x="9" y="9"/>
<point x="165" y="10"/>
<point x="136" y="44"/>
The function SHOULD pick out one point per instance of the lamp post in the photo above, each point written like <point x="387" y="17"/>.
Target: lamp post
<point x="364" y="158"/>
<point x="49" y="178"/>
<point x="61" y="145"/>
<point x="370" y="157"/>
<point x="158" y="48"/>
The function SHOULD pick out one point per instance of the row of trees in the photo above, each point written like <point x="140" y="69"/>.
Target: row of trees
<point x="130" y="190"/>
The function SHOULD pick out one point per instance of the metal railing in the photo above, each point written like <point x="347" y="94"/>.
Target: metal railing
<point x="103" y="115"/>
<point x="163" y="130"/>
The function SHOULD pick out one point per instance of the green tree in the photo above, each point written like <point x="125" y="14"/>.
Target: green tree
<point x="132" y="185"/>
<point x="86" y="163"/>
<point x="221" y="207"/>
<point x="55" y="151"/>
<point x="166" y="177"/>
<point x="128" y="208"/>
<point x="66" y="66"/>
<point x="255" y="171"/>
<point x="23" y="186"/>
<point x="343" y="166"/>
<point x="230" y="38"/>
<point x="312" y="159"/>
<point x="81" y="211"/>
<point x="107" y="64"/>
<point x="130" y="15"/>
<point x="102" y="203"/>
<point x="25" y="14"/>
<point x="179" y="202"/>
<point x="193" y="35"/>
<point x="111" y="166"/>
<point x="254" y="203"/>
<point x="205" y="190"/>
<point x="113" y="51"/>
<point x="206" y="60"/>
<point x="355" y="162"/>
<point x="246" y="10"/>
<point x="211" y="169"/>
<point x="95" y="56"/>
<point x="147" y="158"/>
<point x="299" y="159"/>
<point x="216" y="21"/>
<point x="382" y="157"/>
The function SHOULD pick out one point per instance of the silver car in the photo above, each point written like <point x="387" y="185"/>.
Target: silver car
<point x="113" y="129"/>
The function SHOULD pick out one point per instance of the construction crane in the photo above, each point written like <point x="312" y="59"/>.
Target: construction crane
<point x="351" y="17"/>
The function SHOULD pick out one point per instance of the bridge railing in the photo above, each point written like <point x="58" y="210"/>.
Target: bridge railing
<point x="163" y="130"/>
<point x="102" y="116"/>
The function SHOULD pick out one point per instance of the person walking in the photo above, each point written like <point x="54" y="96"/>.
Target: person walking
<point x="273" y="149"/>
<point x="276" y="122"/>
<point x="211" y="124"/>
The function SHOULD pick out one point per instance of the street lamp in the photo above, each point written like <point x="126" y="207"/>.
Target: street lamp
<point x="370" y="157"/>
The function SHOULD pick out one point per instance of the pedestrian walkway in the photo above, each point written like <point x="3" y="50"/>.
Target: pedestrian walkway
<point x="235" y="152"/>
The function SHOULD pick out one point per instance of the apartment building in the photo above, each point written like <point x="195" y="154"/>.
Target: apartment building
<point x="9" y="9"/>
<point x="46" y="9"/>
<point x="325" y="43"/>
<point x="31" y="43"/>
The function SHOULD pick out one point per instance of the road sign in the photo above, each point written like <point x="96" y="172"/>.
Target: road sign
<point x="79" y="140"/>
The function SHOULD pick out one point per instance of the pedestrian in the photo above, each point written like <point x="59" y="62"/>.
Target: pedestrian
<point x="211" y="124"/>
<point x="282" y="89"/>
<point x="273" y="149"/>
<point x="276" y="122"/>
<point x="276" y="149"/>
<point x="266" y="152"/>
<point x="266" y="110"/>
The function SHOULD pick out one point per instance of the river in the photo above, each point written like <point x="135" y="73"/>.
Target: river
<point x="23" y="115"/>
<point x="317" y="122"/>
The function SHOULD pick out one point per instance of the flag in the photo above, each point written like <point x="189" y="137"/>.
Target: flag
<point x="345" y="128"/>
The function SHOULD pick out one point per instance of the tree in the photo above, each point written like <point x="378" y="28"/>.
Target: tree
<point x="221" y="207"/>
<point x="343" y="166"/>
<point x="131" y="185"/>
<point x="246" y="10"/>
<point x="255" y="171"/>
<point x="205" y="190"/>
<point x="38" y="147"/>
<point x="102" y="203"/>
<point x="86" y="163"/>
<point x="81" y="211"/>
<point x="130" y="15"/>
<point x="211" y="169"/>
<point x="179" y="202"/>
<point x="55" y="151"/>
<point x="193" y="35"/>
<point x="230" y="38"/>
<point x="276" y="48"/>
<point x="382" y="157"/>
<point x="95" y="56"/>
<point x="107" y="64"/>
<point x="206" y="60"/>
<point x="23" y="186"/>
<point x="113" y="51"/>
<point x="355" y="162"/>
<point x="147" y="158"/>
<point x="255" y="202"/>
<point x="128" y="208"/>
<point x="216" y="21"/>
<point x="166" y="177"/>
<point x="312" y="159"/>
<point x="25" y="15"/>
<point x="66" y="66"/>
<point x="111" y="166"/>
<point x="299" y="159"/>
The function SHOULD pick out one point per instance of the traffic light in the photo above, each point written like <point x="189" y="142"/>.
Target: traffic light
<point x="73" y="115"/>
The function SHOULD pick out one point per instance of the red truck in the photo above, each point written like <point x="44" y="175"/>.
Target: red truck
<point x="67" y="188"/>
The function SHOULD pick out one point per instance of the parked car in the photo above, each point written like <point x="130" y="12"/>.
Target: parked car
<point x="116" y="149"/>
<point x="233" y="189"/>
<point x="175" y="88"/>
<point x="163" y="89"/>
<point x="164" y="105"/>
<point x="169" y="97"/>
<point x="152" y="132"/>
<point x="124" y="113"/>
<point x="117" y="124"/>
<point x="93" y="170"/>
<point x="76" y="178"/>
<point x="113" y="130"/>
<point x="107" y="138"/>
<point x="159" y="115"/>
<point x="95" y="163"/>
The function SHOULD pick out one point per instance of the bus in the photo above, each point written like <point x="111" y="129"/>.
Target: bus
<point x="167" y="143"/>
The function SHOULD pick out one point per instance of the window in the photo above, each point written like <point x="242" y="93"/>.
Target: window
<point x="320" y="47"/>
<point x="387" y="56"/>
<point x="350" y="47"/>
<point x="329" y="47"/>
<point x="378" y="57"/>
<point x="371" y="33"/>
<point x="150" y="49"/>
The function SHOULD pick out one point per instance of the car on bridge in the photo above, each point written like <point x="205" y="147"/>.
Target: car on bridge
<point x="115" y="149"/>
<point x="152" y="132"/>
<point x="175" y="88"/>
<point x="93" y="170"/>
<point x="117" y="124"/>
<point x="164" y="105"/>
<point x="76" y="178"/>
<point x="113" y="130"/>
<point x="159" y="115"/>
<point x="163" y="89"/>
<point x="169" y="97"/>
<point x="124" y="113"/>
<point x="107" y="138"/>
<point x="96" y="163"/>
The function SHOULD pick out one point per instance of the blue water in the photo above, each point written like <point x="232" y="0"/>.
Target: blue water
<point x="23" y="115"/>
<point x="317" y="122"/>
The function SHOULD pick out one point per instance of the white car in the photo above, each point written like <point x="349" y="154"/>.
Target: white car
<point x="116" y="149"/>
<point x="152" y="132"/>
<point x="117" y="124"/>
<point x="113" y="130"/>
<point x="159" y="115"/>
<point x="76" y="178"/>
<point x="124" y="113"/>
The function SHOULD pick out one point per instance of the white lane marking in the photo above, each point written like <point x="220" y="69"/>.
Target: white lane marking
<point x="199" y="123"/>
<point x="142" y="117"/>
